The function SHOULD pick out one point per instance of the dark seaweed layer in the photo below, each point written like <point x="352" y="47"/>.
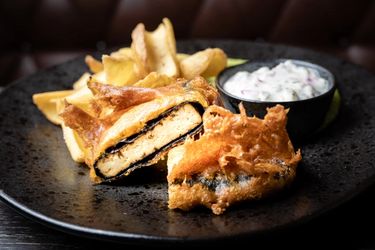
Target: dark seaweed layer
<point x="149" y="126"/>
<point x="212" y="183"/>
<point x="221" y="179"/>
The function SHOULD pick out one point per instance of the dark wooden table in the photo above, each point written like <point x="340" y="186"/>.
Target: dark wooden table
<point x="349" y="226"/>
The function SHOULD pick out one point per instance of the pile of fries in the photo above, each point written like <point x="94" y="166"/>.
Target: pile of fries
<point x="151" y="61"/>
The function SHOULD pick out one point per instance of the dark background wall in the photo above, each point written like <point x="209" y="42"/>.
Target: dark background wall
<point x="35" y="34"/>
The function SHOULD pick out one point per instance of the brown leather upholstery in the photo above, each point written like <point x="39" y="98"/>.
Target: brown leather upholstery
<point x="39" y="33"/>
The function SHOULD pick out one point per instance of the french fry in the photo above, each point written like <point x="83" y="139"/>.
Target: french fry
<point x="139" y="50"/>
<point x="123" y="52"/>
<point x="119" y="71"/>
<point x="217" y="63"/>
<point x="155" y="51"/>
<point x="73" y="143"/>
<point x="170" y="37"/>
<point x="154" y="80"/>
<point x="195" y="64"/>
<point x="94" y="65"/>
<point x="181" y="56"/>
<point x="47" y="104"/>
<point x="82" y="99"/>
<point x="208" y="62"/>
<point x="162" y="50"/>
<point x="82" y="81"/>
<point x="99" y="77"/>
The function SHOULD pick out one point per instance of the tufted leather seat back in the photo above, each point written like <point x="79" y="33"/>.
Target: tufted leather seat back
<point x="38" y="33"/>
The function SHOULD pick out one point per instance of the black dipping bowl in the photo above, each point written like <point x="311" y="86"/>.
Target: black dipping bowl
<point x="305" y="117"/>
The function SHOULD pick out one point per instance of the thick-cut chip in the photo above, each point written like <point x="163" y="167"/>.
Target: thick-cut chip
<point x="82" y="81"/>
<point x="218" y="62"/>
<point x="181" y="56"/>
<point x="72" y="140"/>
<point x="206" y="63"/>
<point x="82" y="99"/>
<point x="171" y="40"/>
<point x="154" y="80"/>
<point x="128" y="54"/>
<point x="139" y="49"/>
<point x="94" y="65"/>
<point x="74" y="144"/>
<point x="123" y="52"/>
<point x="162" y="45"/>
<point x="195" y="64"/>
<point x="119" y="71"/>
<point x="99" y="77"/>
<point x="156" y="51"/>
<point x="47" y="103"/>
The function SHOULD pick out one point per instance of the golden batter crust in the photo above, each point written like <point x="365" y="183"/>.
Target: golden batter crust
<point x="251" y="156"/>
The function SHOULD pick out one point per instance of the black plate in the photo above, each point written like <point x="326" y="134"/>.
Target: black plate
<point x="39" y="179"/>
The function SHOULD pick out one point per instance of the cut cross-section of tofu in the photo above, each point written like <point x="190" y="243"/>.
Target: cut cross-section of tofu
<point x="178" y="123"/>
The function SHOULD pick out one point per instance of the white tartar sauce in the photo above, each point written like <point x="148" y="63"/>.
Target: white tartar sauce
<point x="285" y="82"/>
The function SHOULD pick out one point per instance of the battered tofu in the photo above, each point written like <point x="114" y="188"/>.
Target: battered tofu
<point x="133" y="127"/>
<point x="237" y="158"/>
<point x="162" y="133"/>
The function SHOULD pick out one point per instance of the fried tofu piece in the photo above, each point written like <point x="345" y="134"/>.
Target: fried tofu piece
<point x="133" y="127"/>
<point x="237" y="158"/>
<point x="143" y="148"/>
